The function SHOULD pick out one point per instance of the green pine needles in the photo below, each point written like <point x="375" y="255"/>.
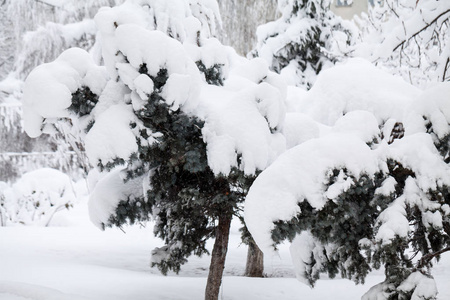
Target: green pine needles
<point x="185" y="198"/>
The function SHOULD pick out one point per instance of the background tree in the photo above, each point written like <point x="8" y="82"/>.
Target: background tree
<point x="250" y="13"/>
<point x="306" y="39"/>
<point x="408" y="38"/>
<point x="32" y="33"/>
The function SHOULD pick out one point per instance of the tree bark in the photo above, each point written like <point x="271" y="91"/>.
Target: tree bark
<point x="218" y="257"/>
<point x="255" y="261"/>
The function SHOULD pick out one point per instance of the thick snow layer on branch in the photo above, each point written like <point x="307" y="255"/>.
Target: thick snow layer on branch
<point x="301" y="249"/>
<point x="243" y="118"/>
<point x="172" y="17"/>
<point x="360" y="105"/>
<point x="240" y="118"/>
<point x="48" y="89"/>
<point x="111" y="136"/>
<point x="108" y="190"/>
<point x="424" y="287"/>
<point x="300" y="175"/>
<point x="357" y="85"/>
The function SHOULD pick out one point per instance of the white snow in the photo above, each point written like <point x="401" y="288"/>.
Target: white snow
<point x="357" y="85"/>
<point x="111" y="136"/>
<point x="80" y="262"/>
<point x="424" y="287"/>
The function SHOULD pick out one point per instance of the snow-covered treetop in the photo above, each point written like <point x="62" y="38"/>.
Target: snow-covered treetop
<point x="307" y="38"/>
<point x="171" y="17"/>
<point x="362" y="105"/>
<point x="243" y="113"/>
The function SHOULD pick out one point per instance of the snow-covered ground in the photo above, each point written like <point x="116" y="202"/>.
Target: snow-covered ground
<point x="77" y="261"/>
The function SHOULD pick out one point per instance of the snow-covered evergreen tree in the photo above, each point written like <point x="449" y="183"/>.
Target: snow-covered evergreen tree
<point x="306" y="39"/>
<point x="369" y="191"/>
<point x="409" y="38"/>
<point x="176" y="123"/>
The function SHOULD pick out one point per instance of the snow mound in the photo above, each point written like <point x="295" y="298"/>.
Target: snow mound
<point x="36" y="197"/>
<point x="26" y="291"/>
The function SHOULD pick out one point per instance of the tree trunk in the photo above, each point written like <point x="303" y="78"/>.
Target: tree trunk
<point x="255" y="261"/>
<point x="218" y="257"/>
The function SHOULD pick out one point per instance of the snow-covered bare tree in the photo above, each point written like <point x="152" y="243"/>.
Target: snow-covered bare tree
<point x="410" y="38"/>
<point x="241" y="35"/>
<point x="306" y="39"/>
<point x="6" y="43"/>
<point x="176" y="123"/>
<point x="40" y="30"/>
<point x="371" y="191"/>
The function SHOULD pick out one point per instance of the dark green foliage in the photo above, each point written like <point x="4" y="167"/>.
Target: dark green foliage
<point x="343" y="222"/>
<point x="400" y="175"/>
<point x="111" y="164"/>
<point x="442" y="144"/>
<point x="83" y="101"/>
<point x="159" y="80"/>
<point x="309" y="53"/>
<point x="130" y="211"/>
<point x="185" y="198"/>
<point x="353" y="217"/>
<point x="213" y="75"/>
<point x="392" y="257"/>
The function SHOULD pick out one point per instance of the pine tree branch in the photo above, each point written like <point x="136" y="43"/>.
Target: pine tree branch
<point x="428" y="257"/>
<point x="420" y="31"/>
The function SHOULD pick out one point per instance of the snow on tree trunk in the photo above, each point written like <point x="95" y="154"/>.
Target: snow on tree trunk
<point x="255" y="261"/>
<point x="218" y="256"/>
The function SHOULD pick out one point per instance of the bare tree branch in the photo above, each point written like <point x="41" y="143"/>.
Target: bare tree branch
<point x="45" y="3"/>
<point x="447" y="66"/>
<point x="424" y="28"/>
